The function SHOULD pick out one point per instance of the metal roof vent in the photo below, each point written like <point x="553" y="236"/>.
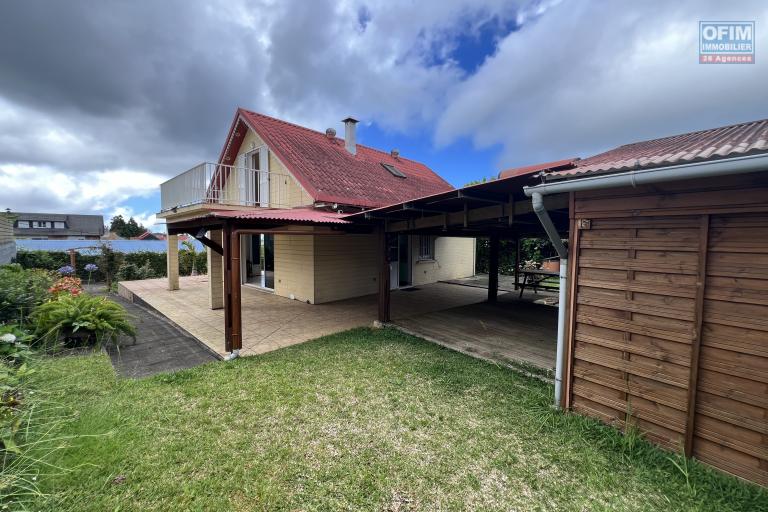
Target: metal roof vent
<point x="330" y="133"/>
<point x="395" y="153"/>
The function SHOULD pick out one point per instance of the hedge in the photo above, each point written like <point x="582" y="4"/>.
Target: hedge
<point x="54" y="260"/>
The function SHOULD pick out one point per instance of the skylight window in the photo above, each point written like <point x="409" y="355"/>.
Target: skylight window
<point x="393" y="170"/>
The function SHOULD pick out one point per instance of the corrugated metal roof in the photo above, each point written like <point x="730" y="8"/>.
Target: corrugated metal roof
<point x="547" y="166"/>
<point x="329" y="172"/>
<point x="727" y="141"/>
<point x="309" y="215"/>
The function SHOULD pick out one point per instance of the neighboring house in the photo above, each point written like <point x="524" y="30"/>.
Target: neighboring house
<point x="147" y="235"/>
<point x="279" y="176"/>
<point x="7" y="240"/>
<point x="668" y="293"/>
<point x="55" y="226"/>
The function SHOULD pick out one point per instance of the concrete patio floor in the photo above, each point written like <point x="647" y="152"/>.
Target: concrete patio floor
<point x="451" y="314"/>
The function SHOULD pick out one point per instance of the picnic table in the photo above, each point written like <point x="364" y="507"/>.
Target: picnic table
<point x="535" y="277"/>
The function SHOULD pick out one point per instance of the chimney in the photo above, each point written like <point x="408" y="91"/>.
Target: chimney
<point x="350" y="140"/>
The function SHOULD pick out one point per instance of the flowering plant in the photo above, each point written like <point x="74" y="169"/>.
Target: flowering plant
<point x="66" y="270"/>
<point x="68" y="285"/>
<point x="91" y="267"/>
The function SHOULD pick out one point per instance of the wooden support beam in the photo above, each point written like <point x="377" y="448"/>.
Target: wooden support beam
<point x="211" y="244"/>
<point x="227" y="246"/>
<point x="511" y="211"/>
<point x="517" y="263"/>
<point x="493" y="268"/>
<point x="237" y="313"/>
<point x="469" y="216"/>
<point x="698" y="321"/>
<point x="384" y="292"/>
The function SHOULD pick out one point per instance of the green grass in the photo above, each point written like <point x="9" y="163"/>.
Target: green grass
<point x="362" y="420"/>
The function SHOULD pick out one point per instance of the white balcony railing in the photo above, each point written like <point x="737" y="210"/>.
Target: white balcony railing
<point x="210" y="183"/>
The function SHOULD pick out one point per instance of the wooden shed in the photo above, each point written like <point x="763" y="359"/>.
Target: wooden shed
<point x="668" y="293"/>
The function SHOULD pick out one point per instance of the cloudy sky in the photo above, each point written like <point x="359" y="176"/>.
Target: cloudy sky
<point x="100" y="101"/>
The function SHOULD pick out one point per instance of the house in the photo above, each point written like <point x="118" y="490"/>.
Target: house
<point x="7" y="240"/>
<point x="55" y="226"/>
<point x="148" y="235"/>
<point x="667" y="299"/>
<point x="286" y="190"/>
<point x="662" y="307"/>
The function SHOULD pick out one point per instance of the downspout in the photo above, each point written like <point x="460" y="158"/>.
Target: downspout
<point x="546" y="221"/>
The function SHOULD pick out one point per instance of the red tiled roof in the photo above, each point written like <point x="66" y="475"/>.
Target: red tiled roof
<point x="727" y="141"/>
<point x="328" y="171"/>
<point x="310" y="215"/>
<point x="568" y="163"/>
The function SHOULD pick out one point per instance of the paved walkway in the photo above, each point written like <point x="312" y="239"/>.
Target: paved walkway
<point x="160" y="346"/>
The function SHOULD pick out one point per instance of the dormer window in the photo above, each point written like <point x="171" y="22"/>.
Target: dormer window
<point x="393" y="170"/>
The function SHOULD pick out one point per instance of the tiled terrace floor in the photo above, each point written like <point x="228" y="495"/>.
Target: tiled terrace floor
<point x="451" y="314"/>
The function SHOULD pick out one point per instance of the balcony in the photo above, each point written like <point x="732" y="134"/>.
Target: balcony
<point x="210" y="184"/>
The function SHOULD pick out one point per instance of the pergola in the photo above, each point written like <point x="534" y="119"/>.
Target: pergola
<point x="496" y="209"/>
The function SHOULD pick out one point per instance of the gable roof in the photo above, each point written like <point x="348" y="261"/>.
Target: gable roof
<point x="327" y="171"/>
<point x="712" y="144"/>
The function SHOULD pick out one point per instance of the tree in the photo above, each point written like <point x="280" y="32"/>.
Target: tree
<point x="128" y="229"/>
<point x="117" y="224"/>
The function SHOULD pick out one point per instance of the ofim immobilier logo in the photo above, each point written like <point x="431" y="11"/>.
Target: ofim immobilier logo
<point x="726" y="42"/>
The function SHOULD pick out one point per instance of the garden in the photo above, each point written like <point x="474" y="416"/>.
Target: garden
<point x="367" y="419"/>
<point x="43" y="313"/>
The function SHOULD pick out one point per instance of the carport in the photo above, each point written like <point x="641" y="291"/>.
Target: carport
<point x="504" y="326"/>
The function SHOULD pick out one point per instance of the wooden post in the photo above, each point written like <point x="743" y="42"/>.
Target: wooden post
<point x="517" y="262"/>
<point x="493" y="268"/>
<point x="698" y="320"/>
<point x="227" y="246"/>
<point x="237" y="314"/>
<point x="384" y="294"/>
<point x="72" y="259"/>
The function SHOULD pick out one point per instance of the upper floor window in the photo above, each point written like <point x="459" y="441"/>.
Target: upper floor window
<point x="59" y="225"/>
<point x="22" y="224"/>
<point x="426" y="247"/>
<point x="40" y="224"/>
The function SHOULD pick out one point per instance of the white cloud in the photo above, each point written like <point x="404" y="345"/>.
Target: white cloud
<point x="45" y="189"/>
<point x="591" y="75"/>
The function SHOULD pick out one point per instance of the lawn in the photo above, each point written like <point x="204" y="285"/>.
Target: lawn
<point x="362" y="420"/>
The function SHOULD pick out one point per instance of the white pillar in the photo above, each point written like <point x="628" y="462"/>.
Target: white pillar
<point x="172" y="261"/>
<point x="215" y="272"/>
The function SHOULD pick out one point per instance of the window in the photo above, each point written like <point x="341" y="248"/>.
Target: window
<point x="40" y="224"/>
<point x="394" y="170"/>
<point x="59" y="225"/>
<point x="23" y="224"/>
<point x="426" y="247"/>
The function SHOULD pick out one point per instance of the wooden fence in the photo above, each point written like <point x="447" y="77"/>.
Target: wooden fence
<point x="669" y="326"/>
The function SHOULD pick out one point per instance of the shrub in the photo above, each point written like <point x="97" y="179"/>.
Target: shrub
<point x="21" y="290"/>
<point x="70" y="285"/>
<point x="109" y="263"/>
<point x="130" y="272"/>
<point x="54" y="260"/>
<point x="81" y="320"/>
<point x="14" y="345"/>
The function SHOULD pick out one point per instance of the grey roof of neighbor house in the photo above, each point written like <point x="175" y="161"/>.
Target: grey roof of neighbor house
<point x="76" y="225"/>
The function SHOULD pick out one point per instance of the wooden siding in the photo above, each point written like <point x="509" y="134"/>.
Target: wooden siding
<point x="669" y="327"/>
<point x="288" y="193"/>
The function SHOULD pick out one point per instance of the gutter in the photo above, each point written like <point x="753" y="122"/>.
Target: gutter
<point x="633" y="178"/>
